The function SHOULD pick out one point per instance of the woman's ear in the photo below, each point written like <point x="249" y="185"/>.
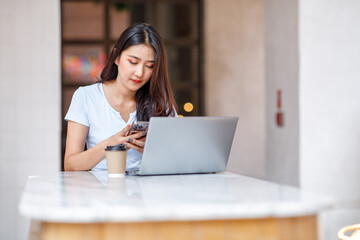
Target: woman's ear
<point x="117" y="60"/>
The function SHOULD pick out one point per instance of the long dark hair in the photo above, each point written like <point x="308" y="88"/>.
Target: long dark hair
<point x="155" y="98"/>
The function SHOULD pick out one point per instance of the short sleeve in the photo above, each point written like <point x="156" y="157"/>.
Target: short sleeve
<point x="77" y="110"/>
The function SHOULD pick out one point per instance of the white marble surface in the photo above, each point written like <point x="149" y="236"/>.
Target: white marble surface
<point x="93" y="197"/>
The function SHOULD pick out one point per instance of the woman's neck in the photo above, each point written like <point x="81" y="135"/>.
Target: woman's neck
<point x="120" y="93"/>
<point x="121" y="100"/>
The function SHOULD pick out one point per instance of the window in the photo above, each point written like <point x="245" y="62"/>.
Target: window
<point x="90" y="28"/>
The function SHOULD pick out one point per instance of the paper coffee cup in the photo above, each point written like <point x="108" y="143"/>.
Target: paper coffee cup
<point x="116" y="160"/>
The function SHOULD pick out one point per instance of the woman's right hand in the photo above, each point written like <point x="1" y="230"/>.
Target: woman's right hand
<point x="121" y="137"/>
<point x="131" y="141"/>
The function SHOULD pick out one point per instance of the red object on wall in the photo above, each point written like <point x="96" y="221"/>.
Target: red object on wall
<point x="279" y="113"/>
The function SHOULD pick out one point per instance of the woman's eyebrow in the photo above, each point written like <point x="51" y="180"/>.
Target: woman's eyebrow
<point x="137" y="58"/>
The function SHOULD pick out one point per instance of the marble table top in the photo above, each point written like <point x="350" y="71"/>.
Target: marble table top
<point x="94" y="197"/>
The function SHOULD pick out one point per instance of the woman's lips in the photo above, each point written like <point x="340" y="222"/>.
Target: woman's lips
<point x="136" y="81"/>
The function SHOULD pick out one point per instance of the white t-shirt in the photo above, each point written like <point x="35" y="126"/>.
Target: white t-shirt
<point x="90" y="108"/>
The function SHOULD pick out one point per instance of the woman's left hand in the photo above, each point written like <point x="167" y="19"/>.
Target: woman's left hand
<point x="137" y="141"/>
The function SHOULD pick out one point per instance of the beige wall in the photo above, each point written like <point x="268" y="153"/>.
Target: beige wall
<point x="312" y="53"/>
<point x="329" y="98"/>
<point x="29" y="102"/>
<point x="282" y="72"/>
<point x="234" y="77"/>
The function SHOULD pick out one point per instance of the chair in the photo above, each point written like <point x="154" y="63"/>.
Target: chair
<point x="354" y="236"/>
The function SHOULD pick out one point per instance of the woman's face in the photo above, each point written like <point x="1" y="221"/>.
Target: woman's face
<point x="135" y="66"/>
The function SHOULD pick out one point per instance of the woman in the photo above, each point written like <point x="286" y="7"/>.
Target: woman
<point x="134" y="86"/>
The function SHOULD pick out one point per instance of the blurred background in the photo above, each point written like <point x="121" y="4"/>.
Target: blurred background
<point x="289" y="69"/>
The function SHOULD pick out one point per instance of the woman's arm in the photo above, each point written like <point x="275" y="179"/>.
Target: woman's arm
<point x="76" y="159"/>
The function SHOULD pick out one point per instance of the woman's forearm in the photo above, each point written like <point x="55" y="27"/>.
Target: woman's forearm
<point x="87" y="159"/>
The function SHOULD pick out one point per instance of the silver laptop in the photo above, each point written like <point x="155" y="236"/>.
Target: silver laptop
<point x="187" y="145"/>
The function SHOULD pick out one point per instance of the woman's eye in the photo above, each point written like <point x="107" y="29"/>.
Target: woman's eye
<point x="149" y="66"/>
<point x="132" y="62"/>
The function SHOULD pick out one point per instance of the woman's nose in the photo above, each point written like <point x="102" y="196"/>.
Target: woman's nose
<point x="139" y="71"/>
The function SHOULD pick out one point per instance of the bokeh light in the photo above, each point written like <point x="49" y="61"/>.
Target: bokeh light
<point x="188" y="107"/>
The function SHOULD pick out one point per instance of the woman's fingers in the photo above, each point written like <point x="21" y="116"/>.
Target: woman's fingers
<point x="136" y="142"/>
<point x="122" y="137"/>
<point x="138" y="135"/>
<point x="125" y="130"/>
<point x="131" y="144"/>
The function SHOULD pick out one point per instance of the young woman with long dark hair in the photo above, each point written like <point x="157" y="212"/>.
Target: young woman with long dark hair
<point x="134" y="85"/>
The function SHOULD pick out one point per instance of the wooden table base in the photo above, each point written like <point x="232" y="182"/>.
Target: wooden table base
<point x="299" y="228"/>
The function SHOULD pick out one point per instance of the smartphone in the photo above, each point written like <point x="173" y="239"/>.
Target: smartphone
<point x="139" y="126"/>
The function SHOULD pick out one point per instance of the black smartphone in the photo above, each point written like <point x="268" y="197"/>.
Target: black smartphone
<point x="139" y="126"/>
